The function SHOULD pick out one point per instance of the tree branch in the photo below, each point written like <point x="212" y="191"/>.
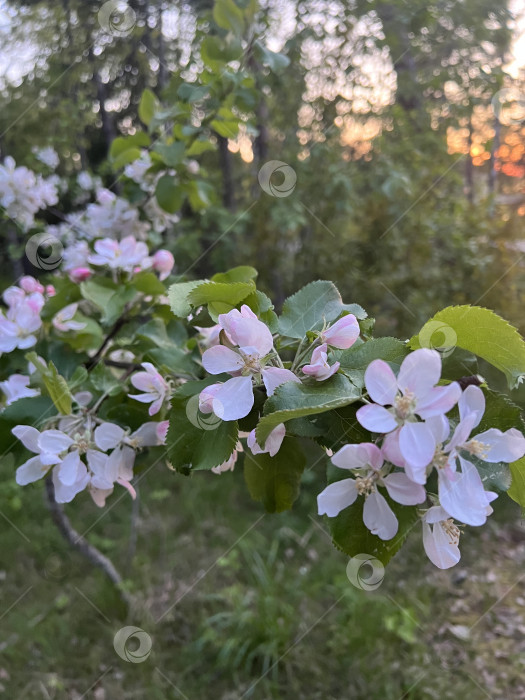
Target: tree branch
<point x="78" y="542"/>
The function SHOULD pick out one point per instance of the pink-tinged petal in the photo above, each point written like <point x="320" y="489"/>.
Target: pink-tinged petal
<point x="472" y="400"/>
<point x="146" y="435"/>
<point x="442" y="551"/>
<point x="376" y="419"/>
<point x="156" y="406"/>
<point x="439" y="400"/>
<point x="381" y="382"/>
<point x="108" y="435"/>
<point x="246" y="312"/>
<point x="391" y="451"/>
<point x="143" y="398"/>
<point x="206" y="397"/>
<point x="464" y="496"/>
<point x="275" y="376"/>
<point x="336" y="497"/>
<point x="54" y="441"/>
<point x="31" y="471"/>
<point x="402" y="490"/>
<point x="419" y="372"/>
<point x="275" y="440"/>
<point x="417" y="444"/>
<point x="28" y="436"/>
<point x="221" y="359"/>
<point x="379" y="517"/>
<point x="234" y="399"/>
<point x="245" y="330"/>
<point x="502" y="447"/>
<point x="99" y="496"/>
<point x="462" y="432"/>
<point x="439" y="427"/>
<point x="358" y="456"/>
<point x="143" y="381"/>
<point x="435" y="514"/>
<point x="127" y="486"/>
<point x="343" y="333"/>
<point x="68" y="469"/>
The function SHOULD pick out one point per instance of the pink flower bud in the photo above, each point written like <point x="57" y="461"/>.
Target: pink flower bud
<point x="163" y="263"/>
<point x="79" y="274"/>
<point x="162" y="431"/>
<point x="50" y="290"/>
<point x="30" y="285"/>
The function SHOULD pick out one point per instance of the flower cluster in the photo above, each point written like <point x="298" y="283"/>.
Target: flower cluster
<point x="23" y="193"/>
<point x="416" y="451"/>
<point x="21" y="321"/>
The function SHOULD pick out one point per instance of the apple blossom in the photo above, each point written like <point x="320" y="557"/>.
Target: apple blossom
<point x="63" y="320"/>
<point x="154" y="386"/>
<point x="367" y="460"/>
<point x="440" y="538"/>
<point x="410" y="395"/>
<point x="227" y="466"/>
<point x="30" y="284"/>
<point x="342" y="334"/>
<point x="17" y="387"/>
<point x="273" y="441"/>
<point x="48" y="446"/>
<point x="319" y="368"/>
<point x="18" y="328"/>
<point x="234" y="399"/>
<point x="163" y="262"/>
<point x="125" y="255"/>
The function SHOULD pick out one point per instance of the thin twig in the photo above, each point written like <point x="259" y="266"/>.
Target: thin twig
<point x="87" y="550"/>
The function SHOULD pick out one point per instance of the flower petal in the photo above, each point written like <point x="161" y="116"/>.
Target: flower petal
<point x="54" y="442"/>
<point x="379" y="517"/>
<point x="28" y="436"/>
<point x="358" y="456"/>
<point x="472" y="400"/>
<point x="336" y="497"/>
<point x="67" y="470"/>
<point x="439" y="400"/>
<point x="221" y="359"/>
<point x="503" y="447"/>
<point x="275" y="376"/>
<point x="381" y="382"/>
<point x="440" y="549"/>
<point x="417" y="444"/>
<point x="464" y="497"/>
<point x="108" y="435"/>
<point x="403" y="490"/>
<point x="376" y="419"/>
<point x="234" y="399"/>
<point x="419" y="372"/>
<point x="31" y="471"/>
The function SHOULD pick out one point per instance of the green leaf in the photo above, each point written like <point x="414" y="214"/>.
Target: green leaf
<point x="496" y="476"/>
<point x="275" y="61"/>
<point x="199" y="147"/>
<point x="228" y="16"/>
<point x="309" y="308"/>
<point x="124" y="143"/>
<point x="517" y="487"/>
<point x="275" y="480"/>
<point x="292" y="400"/>
<point x="481" y="332"/>
<point x="228" y="128"/>
<point x="242" y="273"/>
<point x="356" y="359"/>
<point x="200" y="194"/>
<point x="98" y="291"/>
<point x="148" y="105"/>
<point x="148" y="283"/>
<point x="500" y="412"/>
<point x="126" y="157"/>
<point x="350" y="534"/>
<point x="172" y="154"/>
<point x="190" y="446"/>
<point x="225" y="292"/>
<point x="105" y="380"/>
<point x="191" y="92"/>
<point x="58" y="389"/>
<point x="178" y="297"/>
<point x="169" y="194"/>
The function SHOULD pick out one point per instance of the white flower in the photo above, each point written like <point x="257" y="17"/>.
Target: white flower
<point x="48" y="156"/>
<point x="23" y="194"/>
<point x="138" y="169"/>
<point x="126" y="255"/>
<point x="18" y="329"/>
<point x="17" y="387"/>
<point x="62" y="321"/>
<point x="273" y="441"/>
<point x="48" y="446"/>
<point x="440" y="538"/>
<point x="153" y="385"/>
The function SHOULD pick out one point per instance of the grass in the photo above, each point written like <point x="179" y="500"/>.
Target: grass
<point x="242" y="605"/>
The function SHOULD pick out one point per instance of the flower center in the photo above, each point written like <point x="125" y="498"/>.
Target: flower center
<point x="252" y="364"/>
<point x="440" y="459"/>
<point x="476" y="448"/>
<point x="451" y="530"/>
<point x="405" y="404"/>
<point x="365" y="485"/>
